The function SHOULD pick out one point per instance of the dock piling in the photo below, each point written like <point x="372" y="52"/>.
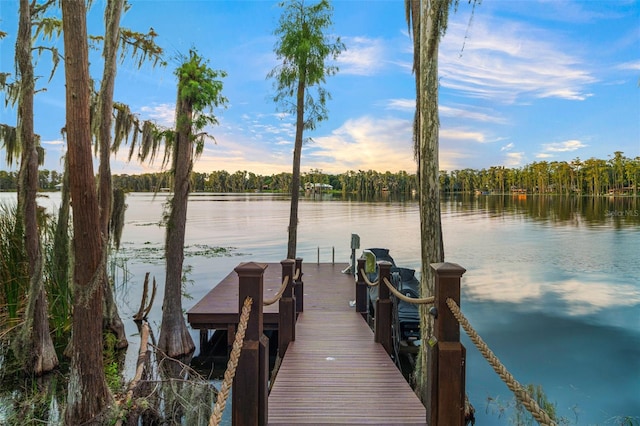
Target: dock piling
<point x="446" y="357"/>
<point x="298" y="286"/>
<point x="384" y="309"/>
<point x="361" y="290"/>
<point x="287" y="309"/>
<point x="250" y="385"/>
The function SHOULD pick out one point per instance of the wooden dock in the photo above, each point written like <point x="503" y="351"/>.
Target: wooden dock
<point x="333" y="372"/>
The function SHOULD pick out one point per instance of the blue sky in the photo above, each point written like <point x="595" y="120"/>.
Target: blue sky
<point x="522" y="81"/>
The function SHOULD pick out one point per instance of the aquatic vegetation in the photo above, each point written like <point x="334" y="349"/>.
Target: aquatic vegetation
<point x="153" y="253"/>
<point x="520" y="416"/>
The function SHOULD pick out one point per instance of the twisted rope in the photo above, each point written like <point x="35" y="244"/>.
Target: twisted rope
<point x="366" y="280"/>
<point x="415" y="301"/>
<point x="279" y="294"/>
<point x="296" y="276"/>
<point x="230" y="373"/>
<point x="520" y="392"/>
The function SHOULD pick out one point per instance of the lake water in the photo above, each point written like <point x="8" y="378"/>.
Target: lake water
<point x="552" y="284"/>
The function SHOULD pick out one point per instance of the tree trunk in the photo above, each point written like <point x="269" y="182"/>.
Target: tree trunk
<point x="432" y="249"/>
<point x="88" y="394"/>
<point x="61" y="246"/>
<point x="113" y="12"/>
<point x="36" y="340"/>
<point x="295" y="181"/>
<point x="175" y="339"/>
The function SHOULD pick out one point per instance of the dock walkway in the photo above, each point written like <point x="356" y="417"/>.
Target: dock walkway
<point x="334" y="372"/>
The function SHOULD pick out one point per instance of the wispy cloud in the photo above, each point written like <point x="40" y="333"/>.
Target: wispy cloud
<point x="566" y="146"/>
<point x="469" y="112"/>
<point x="459" y="134"/>
<point x="511" y="62"/>
<point x="631" y="65"/>
<point x="401" y="104"/>
<point x="507" y="147"/>
<point x="163" y="114"/>
<point x="363" y="56"/>
<point x="54" y="143"/>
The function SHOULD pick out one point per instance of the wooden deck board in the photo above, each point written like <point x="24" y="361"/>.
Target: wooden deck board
<point x="334" y="372"/>
<point x="337" y="374"/>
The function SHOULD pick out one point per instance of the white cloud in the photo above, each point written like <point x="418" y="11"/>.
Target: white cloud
<point x="163" y="114"/>
<point x="57" y="142"/>
<point x="508" y="63"/>
<point x="363" y="56"/>
<point x="631" y="65"/>
<point x="364" y="143"/>
<point x="450" y="158"/>
<point x="514" y="159"/>
<point x="401" y="104"/>
<point x="507" y="147"/>
<point x="462" y="135"/>
<point x="566" y="146"/>
<point x="468" y="112"/>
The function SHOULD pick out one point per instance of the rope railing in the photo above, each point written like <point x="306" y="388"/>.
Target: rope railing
<point x="279" y="294"/>
<point x="232" y="364"/>
<point x="518" y="390"/>
<point x="296" y="276"/>
<point x="414" y="300"/>
<point x="366" y="279"/>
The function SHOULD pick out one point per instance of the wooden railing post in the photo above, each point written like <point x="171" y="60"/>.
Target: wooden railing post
<point x="250" y="385"/>
<point x="361" y="290"/>
<point x="383" y="318"/>
<point x="446" y="356"/>
<point x="287" y="309"/>
<point x="298" y="286"/>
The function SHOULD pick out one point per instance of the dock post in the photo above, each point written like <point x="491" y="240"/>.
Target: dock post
<point x="250" y="385"/>
<point x="361" y="290"/>
<point x="383" y="318"/>
<point x="298" y="287"/>
<point x="446" y="356"/>
<point x="287" y="309"/>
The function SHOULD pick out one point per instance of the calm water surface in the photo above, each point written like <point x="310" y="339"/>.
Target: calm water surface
<point x="552" y="284"/>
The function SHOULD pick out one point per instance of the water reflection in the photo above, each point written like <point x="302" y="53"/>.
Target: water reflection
<point x="591" y="211"/>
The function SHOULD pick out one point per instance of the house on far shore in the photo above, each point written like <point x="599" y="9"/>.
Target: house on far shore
<point x="317" y="187"/>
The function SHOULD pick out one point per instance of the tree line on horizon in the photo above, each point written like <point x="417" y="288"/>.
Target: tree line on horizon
<point x="618" y="174"/>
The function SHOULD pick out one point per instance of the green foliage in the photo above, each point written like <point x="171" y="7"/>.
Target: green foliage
<point x="56" y="247"/>
<point x="49" y="28"/>
<point x="9" y="141"/>
<point x="200" y="87"/>
<point x="624" y="421"/>
<point x="142" y="47"/>
<point x="14" y="275"/>
<point x="112" y="362"/>
<point x="15" y="280"/>
<point x="303" y="47"/>
<point x="520" y="416"/>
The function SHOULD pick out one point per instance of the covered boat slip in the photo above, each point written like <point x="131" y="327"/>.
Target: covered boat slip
<point x="333" y="372"/>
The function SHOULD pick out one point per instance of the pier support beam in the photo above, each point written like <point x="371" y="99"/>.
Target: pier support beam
<point x="298" y="286"/>
<point x="446" y="356"/>
<point x="250" y="385"/>
<point x="287" y="309"/>
<point x="384" y="306"/>
<point x="361" y="290"/>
